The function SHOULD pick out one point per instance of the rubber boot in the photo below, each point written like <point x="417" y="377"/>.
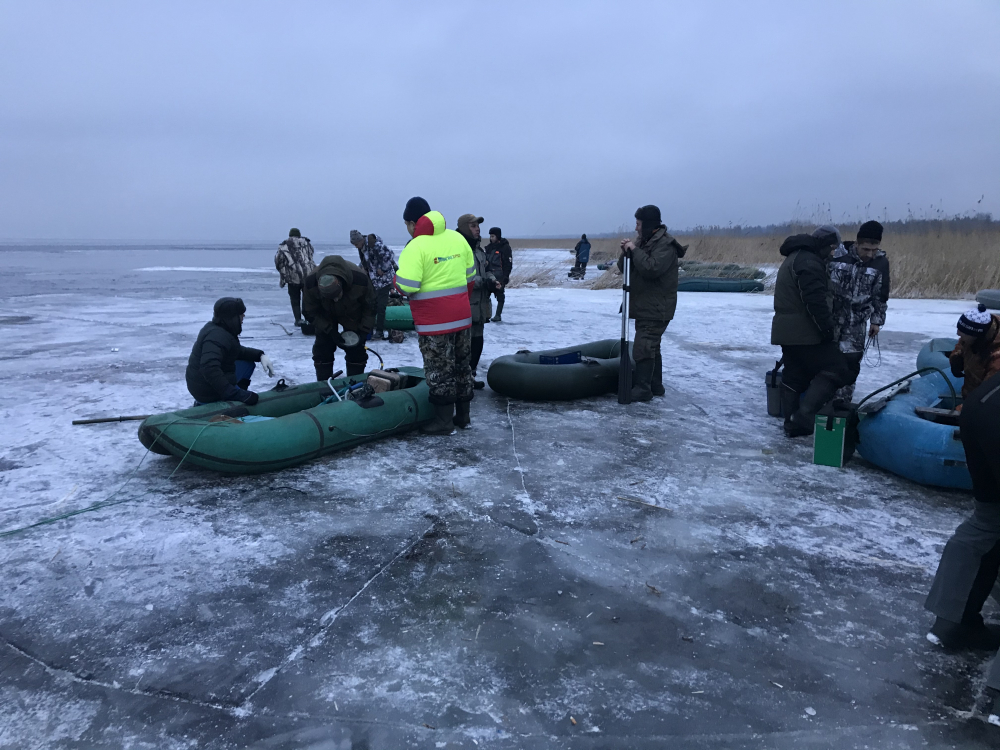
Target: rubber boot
<point x="789" y="403"/>
<point x="324" y="371"/>
<point x="443" y="422"/>
<point x="496" y="318"/>
<point x="656" y="385"/>
<point x="816" y="396"/>
<point x="244" y="384"/>
<point x="354" y="368"/>
<point x="462" y="415"/>
<point x="642" y="380"/>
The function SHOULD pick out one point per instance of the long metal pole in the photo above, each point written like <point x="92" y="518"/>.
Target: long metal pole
<point x="625" y="361"/>
<point x="111" y="419"/>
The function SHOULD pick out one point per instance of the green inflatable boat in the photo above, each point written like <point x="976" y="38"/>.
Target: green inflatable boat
<point x="290" y="424"/>
<point x="557" y="374"/>
<point x="399" y="318"/>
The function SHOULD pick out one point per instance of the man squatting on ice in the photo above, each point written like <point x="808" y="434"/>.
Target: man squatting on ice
<point x="971" y="558"/>
<point x="483" y="284"/>
<point x="652" y="296"/>
<point x="338" y="293"/>
<point x="380" y="265"/>
<point x="859" y="276"/>
<point x="436" y="271"/>
<point x="294" y="261"/>
<point x="804" y="328"/>
<point x="219" y="368"/>
<point x="501" y="263"/>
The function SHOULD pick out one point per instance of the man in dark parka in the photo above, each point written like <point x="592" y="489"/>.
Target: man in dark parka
<point x="803" y="326"/>
<point x="219" y="368"/>
<point x="652" y="298"/>
<point x="339" y="293"/>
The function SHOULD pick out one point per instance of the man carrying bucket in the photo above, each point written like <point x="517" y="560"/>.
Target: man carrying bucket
<point x="436" y="269"/>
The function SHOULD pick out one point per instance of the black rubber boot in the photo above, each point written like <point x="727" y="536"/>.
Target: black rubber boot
<point x="324" y="371"/>
<point x="354" y="368"/>
<point x="642" y="380"/>
<point x="462" y="415"/>
<point x="244" y="384"/>
<point x="789" y="403"/>
<point x="443" y="422"/>
<point x="971" y="636"/>
<point x="816" y="396"/>
<point x="496" y="318"/>
<point x="656" y="385"/>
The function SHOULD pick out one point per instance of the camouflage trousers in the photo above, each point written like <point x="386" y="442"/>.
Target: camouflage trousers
<point x="446" y="366"/>
<point x="647" y="338"/>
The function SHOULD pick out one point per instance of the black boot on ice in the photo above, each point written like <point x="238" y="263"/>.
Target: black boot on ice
<point x="656" y="384"/>
<point x="443" y="422"/>
<point x="462" y="415"/>
<point x="955" y="636"/>
<point x="641" y="385"/>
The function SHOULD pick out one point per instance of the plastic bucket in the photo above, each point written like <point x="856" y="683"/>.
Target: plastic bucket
<point x="772" y="381"/>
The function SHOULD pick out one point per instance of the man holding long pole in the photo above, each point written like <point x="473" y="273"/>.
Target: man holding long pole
<point x="649" y="267"/>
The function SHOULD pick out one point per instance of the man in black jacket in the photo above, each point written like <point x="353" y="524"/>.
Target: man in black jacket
<point x="804" y="328"/>
<point x="219" y="368"/>
<point x="500" y="258"/>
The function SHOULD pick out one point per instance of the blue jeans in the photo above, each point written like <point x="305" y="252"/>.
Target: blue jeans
<point x="244" y="371"/>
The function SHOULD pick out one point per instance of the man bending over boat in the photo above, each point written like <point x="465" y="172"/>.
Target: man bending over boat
<point x="436" y="270"/>
<point x="220" y="368"/>
<point x="339" y="293"/>
<point x="976" y="356"/>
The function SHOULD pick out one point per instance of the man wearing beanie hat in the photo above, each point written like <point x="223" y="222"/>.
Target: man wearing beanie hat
<point x="436" y="269"/>
<point x="483" y="284"/>
<point x="582" y="251"/>
<point x="338" y="295"/>
<point x="803" y="327"/>
<point x="860" y="296"/>
<point x="294" y="261"/>
<point x="501" y="262"/>
<point x="379" y="263"/>
<point x="976" y="356"/>
<point x="652" y="296"/>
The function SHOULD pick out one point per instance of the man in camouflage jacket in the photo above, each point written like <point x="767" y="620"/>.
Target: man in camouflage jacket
<point x="379" y="263"/>
<point x="294" y="261"/>
<point x="860" y="284"/>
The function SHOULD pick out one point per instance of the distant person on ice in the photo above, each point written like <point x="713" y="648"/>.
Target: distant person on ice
<point x="653" y="296"/>
<point x="859" y="273"/>
<point x="219" y="368"/>
<point x="379" y="263"/>
<point x="501" y="262"/>
<point x="582" y="251"/>
<point x="294" y="261"/>
<point x="803" y="327"/>
<point x="976" y="356"/>
<point x="436" y="269"/>
<point x="339" y="294"/>
<point x="484" y="283"/>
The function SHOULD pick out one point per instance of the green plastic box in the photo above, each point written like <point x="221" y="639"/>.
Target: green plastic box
<point x="831" y="445"/>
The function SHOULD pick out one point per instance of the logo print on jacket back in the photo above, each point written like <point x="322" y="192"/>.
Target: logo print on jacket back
<point x="447" y="257"/>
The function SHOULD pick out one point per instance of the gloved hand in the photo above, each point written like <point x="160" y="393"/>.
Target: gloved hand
<point x="249" y="398"/>
<point x="957" y="367"/>
<point x="266" y="365"/>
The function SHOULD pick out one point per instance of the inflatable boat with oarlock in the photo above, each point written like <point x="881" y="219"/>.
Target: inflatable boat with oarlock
<point x="291" y="425"/>
<point x="913" y="432"/>
<point x="558" y="374"/>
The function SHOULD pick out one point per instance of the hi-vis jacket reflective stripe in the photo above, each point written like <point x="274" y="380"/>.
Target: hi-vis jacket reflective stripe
<point x="435" y="271"/>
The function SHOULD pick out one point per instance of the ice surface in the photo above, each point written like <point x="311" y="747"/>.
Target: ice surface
<point x="405" y="593"/>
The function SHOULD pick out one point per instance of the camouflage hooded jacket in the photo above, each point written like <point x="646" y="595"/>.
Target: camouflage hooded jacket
<point x="378" y="262"/>
<point x="857" y="296"/>
<point x="294" y="260"/>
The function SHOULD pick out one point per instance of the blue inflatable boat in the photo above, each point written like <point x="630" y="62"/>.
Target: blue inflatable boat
<point x="911" y="433"/>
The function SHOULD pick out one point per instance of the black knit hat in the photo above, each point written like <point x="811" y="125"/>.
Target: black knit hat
<point x="871" y="231"/>
<point x="293" y="232"/>
<point x="975" y="322"/>
<point x="227" y="312"/>
<point x="648" y="215"/>
<point x="496" y="231"/>
<point x="415" y="208"/>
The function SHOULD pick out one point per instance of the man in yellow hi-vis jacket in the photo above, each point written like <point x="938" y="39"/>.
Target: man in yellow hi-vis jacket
<point x="436" y="269"/>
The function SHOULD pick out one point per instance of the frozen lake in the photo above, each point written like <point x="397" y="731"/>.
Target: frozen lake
<point x="508" y="587"/>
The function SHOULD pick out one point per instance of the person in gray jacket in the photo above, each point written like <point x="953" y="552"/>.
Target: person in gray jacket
<point x="483" y="285"/>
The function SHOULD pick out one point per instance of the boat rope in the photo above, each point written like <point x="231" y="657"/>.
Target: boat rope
<point x="922" y="370"/>
<point x="108" y="501"/>
<point x="287" y="332"/>
<point x="513" y="445"/>
<point x="870" y="342"/>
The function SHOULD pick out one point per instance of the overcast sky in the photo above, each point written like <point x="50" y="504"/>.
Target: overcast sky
<point x="235" y="121"/>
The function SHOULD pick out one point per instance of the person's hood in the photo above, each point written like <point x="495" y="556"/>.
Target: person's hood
<point x="431" y="222"/>
<point x="499" y="243"/>
<point x="227" y="312"/>
<point x="334" y="265"/>
<point x="802" y="242"/>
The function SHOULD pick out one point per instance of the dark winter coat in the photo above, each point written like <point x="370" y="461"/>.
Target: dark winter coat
<point x="803" y="312"/>
<point x="501" y="259"/>
<point x="582" y="251"/>
<point x="653" y="279"/>
<point x="355" y="310"/>
<point x="857" y="288"/>
<point x="211" y="369"/>
<point x="483" y="283"/>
